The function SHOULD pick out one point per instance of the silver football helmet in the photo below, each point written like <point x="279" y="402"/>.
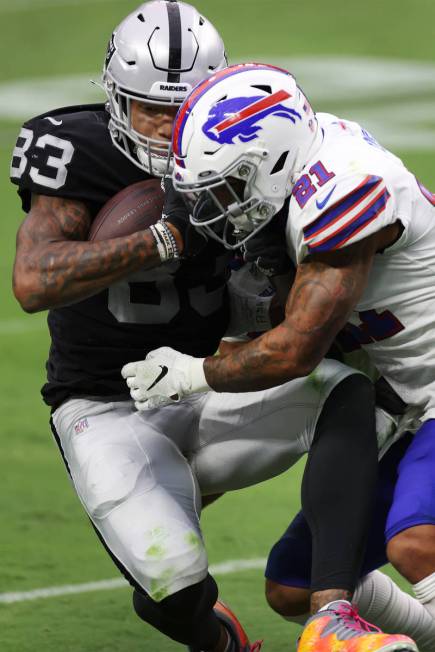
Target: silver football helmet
<point x="156" y="55"/>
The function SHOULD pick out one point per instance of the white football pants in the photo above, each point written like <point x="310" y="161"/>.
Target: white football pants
<point x="140" y="475"/>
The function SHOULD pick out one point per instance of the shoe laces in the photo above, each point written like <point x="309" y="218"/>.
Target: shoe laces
<point x="256" y="647"/>
<point x="352" y="619"/>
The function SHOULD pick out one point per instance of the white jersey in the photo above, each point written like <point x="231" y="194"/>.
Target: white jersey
<point x="350" y="189"/>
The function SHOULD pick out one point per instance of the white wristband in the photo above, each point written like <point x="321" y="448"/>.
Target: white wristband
<point x="165" y="241"/>
<point x="198" y="382"/>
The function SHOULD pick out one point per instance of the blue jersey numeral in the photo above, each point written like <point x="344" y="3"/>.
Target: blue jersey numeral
<point x="305" y="187"/>
<point x="374" y="327"/>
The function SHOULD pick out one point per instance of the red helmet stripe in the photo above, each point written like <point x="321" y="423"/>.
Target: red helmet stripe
<point x="258" y="106"/>
<point x="204" y="86"/>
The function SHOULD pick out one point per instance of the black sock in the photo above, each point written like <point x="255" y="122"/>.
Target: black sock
<point x="186" y="616"/>
<point x="339" y="483"/>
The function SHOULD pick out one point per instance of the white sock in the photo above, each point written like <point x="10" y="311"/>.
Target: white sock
<point x="381" y="602"/>
<point x="425" y="593"/>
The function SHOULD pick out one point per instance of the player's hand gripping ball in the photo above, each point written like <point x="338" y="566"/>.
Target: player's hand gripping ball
<point x="141" y="205"/>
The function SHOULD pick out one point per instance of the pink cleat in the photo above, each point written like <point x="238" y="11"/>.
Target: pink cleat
<point x="339" y="628"/>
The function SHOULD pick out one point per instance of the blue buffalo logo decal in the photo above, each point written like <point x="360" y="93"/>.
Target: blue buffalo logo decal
<point x="240" y="117"/>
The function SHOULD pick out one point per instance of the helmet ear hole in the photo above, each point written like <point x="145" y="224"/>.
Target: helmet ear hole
<point x="280" y="163"/>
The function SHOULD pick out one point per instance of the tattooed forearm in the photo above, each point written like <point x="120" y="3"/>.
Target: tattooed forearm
<point x="318" y="306"/>
<point x="269" y="360"/>
<point x="55" y="265"/>
<point x="320" y="296"/>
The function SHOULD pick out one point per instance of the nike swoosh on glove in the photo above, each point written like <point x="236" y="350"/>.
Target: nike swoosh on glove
<point x="163" y="377"/>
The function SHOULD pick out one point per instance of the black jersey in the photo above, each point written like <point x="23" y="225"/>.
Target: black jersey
<point x="69" y="153"/>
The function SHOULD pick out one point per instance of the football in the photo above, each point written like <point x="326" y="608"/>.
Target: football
<point x="132" y="209"/>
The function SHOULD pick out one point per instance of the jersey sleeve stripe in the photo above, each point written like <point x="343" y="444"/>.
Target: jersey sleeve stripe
<point x="352" y="227"/>
<point x="343" y="207"/>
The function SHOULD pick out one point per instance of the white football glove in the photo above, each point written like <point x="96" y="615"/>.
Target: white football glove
<point x="163" y="377"/>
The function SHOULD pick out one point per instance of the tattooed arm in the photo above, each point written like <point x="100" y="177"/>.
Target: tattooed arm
<point x="325" y="290"/>
<point x="56" y="266"/>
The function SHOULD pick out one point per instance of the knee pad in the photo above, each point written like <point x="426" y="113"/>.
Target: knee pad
<point x="169" y="558"/>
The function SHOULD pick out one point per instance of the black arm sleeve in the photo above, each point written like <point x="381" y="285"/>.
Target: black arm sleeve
<point x="339" y="483"/>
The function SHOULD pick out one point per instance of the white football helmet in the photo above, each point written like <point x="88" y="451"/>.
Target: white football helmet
<point x="156" y="55"/>
<point x="240" y="141"/>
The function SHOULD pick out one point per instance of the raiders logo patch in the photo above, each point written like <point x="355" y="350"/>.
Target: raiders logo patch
<point x="173" y="87"/>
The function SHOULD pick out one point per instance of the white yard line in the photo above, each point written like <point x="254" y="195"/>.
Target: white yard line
<point x="224" y="568"/>
<point x="21" y="98"/>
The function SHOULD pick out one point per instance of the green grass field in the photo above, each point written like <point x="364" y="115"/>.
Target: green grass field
<point x="372" y="61"/>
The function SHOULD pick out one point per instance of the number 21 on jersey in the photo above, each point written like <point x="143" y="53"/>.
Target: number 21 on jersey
<point x="307" y="186"/>
<point x="374" y="327"/>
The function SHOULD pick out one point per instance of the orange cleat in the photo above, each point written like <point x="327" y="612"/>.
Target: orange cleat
<point x="339" y="628"/>
<point x="237" y="633"/>
<point x="238" y="636"/>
